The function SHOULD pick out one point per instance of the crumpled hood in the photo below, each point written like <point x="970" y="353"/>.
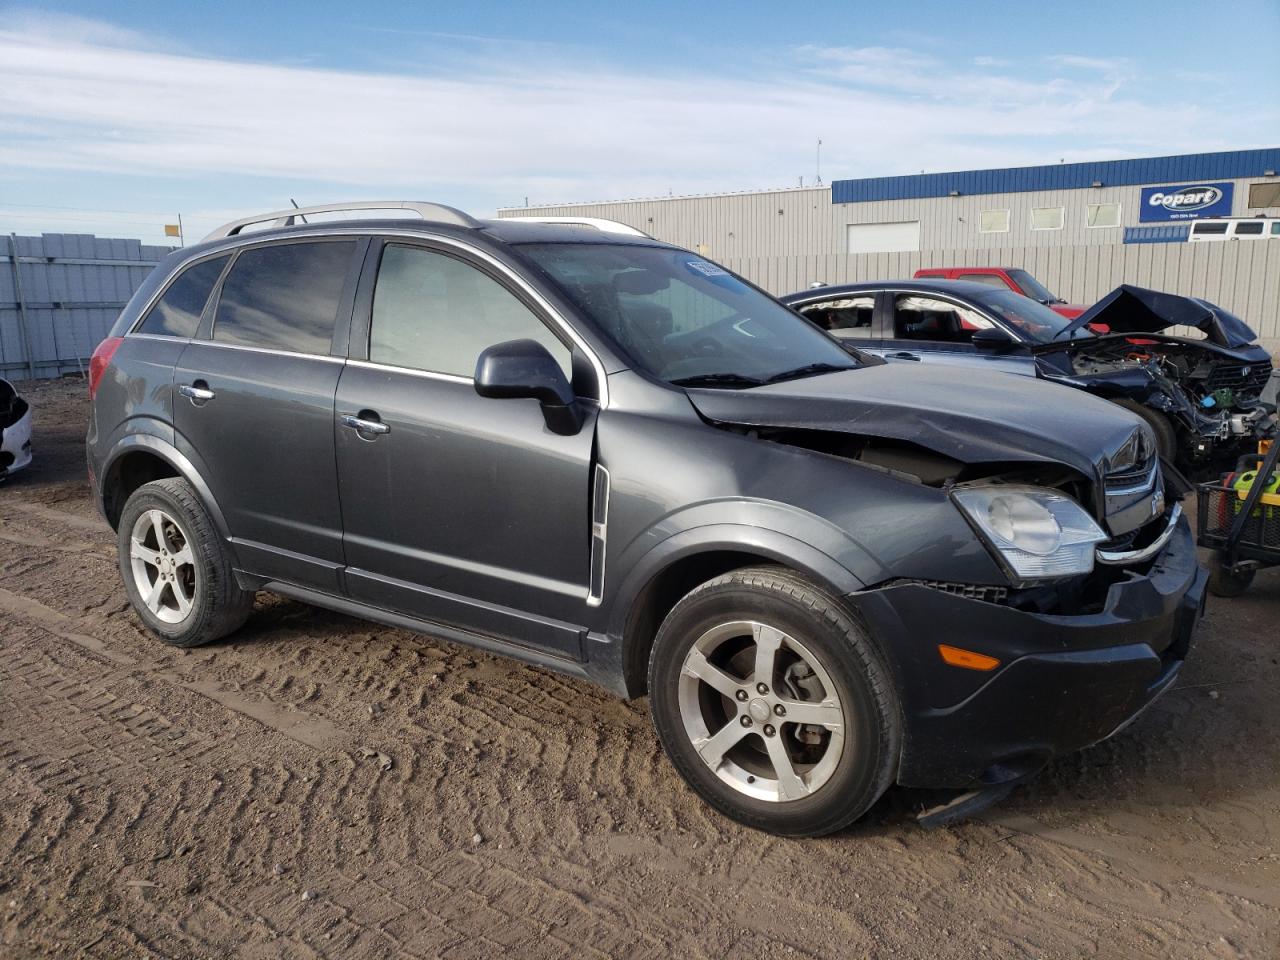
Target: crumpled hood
<point x="1129" y="309"/>
<point x="998" y="418"/>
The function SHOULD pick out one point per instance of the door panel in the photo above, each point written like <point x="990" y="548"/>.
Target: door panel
<point x="264" y="444"/>
<point x="466" y="510"/>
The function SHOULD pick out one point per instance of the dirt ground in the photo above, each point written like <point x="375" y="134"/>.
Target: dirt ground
<point x="230" y="800"/>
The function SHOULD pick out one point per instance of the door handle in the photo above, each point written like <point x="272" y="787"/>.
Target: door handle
<point x="363" y="425"/>
<point x="903" y="355"/>
<point x="196" y="392"/>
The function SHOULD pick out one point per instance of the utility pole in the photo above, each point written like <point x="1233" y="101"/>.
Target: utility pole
<point x="818" y="178"/>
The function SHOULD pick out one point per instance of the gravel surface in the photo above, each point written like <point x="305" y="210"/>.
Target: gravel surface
<point x="318" y="786"/>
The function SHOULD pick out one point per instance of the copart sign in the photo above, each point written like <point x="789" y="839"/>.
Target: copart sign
<point x="1186" y="202"/>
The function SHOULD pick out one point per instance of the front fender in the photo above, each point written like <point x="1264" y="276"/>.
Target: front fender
<point x="741" y="537"/>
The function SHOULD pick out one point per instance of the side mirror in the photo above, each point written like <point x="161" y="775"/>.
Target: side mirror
<point x="992" y="338"/>
<point x="524" y="369"/>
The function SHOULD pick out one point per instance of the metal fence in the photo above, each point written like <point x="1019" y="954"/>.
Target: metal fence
<point x="59" y="295"/>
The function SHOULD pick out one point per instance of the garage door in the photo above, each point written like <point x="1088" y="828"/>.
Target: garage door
<point x="884" y="237"/>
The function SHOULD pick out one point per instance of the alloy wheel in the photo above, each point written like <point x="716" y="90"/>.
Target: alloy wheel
<point x="761" y="711"/>
<point x="163" y="565"/>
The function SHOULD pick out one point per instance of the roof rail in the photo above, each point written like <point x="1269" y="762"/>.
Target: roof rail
<point x="604" y="226"/>
<point x="435" y="212"/>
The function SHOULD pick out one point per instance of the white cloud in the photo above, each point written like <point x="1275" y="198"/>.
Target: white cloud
<point x="102" y="102"/>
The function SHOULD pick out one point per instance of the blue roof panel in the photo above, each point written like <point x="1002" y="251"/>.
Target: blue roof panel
<point x="1062" y="176"/>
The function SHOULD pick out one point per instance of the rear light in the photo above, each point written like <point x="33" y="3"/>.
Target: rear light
<point x="100" y="360"/>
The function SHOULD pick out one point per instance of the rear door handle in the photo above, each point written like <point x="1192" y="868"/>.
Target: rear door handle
<point x="363" y="425"/>
<point x="196" y="394"/>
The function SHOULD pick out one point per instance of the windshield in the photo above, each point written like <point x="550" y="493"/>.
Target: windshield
<point x="687" y="320"/>
<point x="1032" y="287"/>
<point x="1032" y="320"/>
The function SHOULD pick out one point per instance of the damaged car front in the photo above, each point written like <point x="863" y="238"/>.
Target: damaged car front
<point x="1203" y="387"/>
<point x="1077" y="608"/>
<point x="15" y="430"/>
<point x="1007" y="544"/>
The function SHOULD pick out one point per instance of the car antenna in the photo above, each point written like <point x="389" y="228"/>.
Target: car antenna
<point x="296" y="207"/>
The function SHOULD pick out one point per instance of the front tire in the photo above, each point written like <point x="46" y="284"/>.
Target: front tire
<point x="773" y="704"/>
<point x="175" y="568"/>
<point x="1161" y="426"/>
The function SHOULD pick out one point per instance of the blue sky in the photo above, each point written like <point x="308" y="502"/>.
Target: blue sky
<point x="114" y="118"/>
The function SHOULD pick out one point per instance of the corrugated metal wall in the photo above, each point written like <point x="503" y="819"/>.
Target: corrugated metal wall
<point x="791" y="222"/>
<point x="61" y="295"/>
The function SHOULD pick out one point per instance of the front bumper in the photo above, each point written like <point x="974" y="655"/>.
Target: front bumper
<point x="15" y="446"/>
<point x="1064" y="682"/>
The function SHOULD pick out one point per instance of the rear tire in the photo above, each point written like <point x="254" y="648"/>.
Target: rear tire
<point x="1161" y="426"/>
<point x="176" y="568"/>
<point x="767" y="646"/>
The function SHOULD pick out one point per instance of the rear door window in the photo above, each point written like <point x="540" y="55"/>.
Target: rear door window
<point x="284" y="296"/>
<point x="177" y="313"/>
<point x="846" y="317"/>
<point x="436" y="313"/>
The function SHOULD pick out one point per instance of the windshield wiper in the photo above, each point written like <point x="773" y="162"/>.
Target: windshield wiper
<point x="728" y="380"/>
<point x="808" y="370"/>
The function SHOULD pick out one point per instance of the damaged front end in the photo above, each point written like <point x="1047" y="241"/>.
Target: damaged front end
<point x="1091" y="612"/>
<point x="15" y="430"/>
<point x="1208" y="384"/>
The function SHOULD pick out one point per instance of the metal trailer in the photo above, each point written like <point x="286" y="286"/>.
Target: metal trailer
<point x="1241" y="525"/>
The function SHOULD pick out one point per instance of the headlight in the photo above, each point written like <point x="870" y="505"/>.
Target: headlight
<point x="1134" y="452"/>
<point x="1039" y="533"/>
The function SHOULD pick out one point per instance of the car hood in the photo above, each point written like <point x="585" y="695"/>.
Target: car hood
<point x="1129" y="309"/>
<point x="994" y="419"/>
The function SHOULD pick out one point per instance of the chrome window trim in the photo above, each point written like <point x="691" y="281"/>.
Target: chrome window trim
<point x="411" y="371"/>
<point x="222" y="344"/>
<point x="1114" y="557"/>
<point x="931" y="294"/>
<point x="159" y="336"/>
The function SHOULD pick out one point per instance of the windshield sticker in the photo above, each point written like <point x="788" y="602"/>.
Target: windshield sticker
<point x="707" y="268"/>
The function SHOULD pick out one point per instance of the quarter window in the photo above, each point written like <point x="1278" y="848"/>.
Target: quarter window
<point x="284" y="296"/>
<point x="1046" y="218"/>
<point x="1104" y="214"/>
<point x="177" y="313"/>
<point x="434" y="312"/>
<point x="993" y="221"/>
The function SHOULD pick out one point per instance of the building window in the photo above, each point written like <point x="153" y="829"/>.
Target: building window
<point x="1264" y="194"/>
<point x="1046" y="218"/>
<point x="1104" y="214"/>
<point x="993" y="221"/>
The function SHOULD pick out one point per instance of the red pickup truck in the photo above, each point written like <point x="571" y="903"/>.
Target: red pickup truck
<point x="1015" y="278"/>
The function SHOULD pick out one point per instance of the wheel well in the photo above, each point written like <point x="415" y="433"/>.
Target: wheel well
<point x="658" y="598"/>
<point x="127" y="474"/>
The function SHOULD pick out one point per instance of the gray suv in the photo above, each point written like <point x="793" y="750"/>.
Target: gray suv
<point x="575" y="445"/>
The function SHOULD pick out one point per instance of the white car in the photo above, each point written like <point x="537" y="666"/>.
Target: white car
<point x="15" y="430"/>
